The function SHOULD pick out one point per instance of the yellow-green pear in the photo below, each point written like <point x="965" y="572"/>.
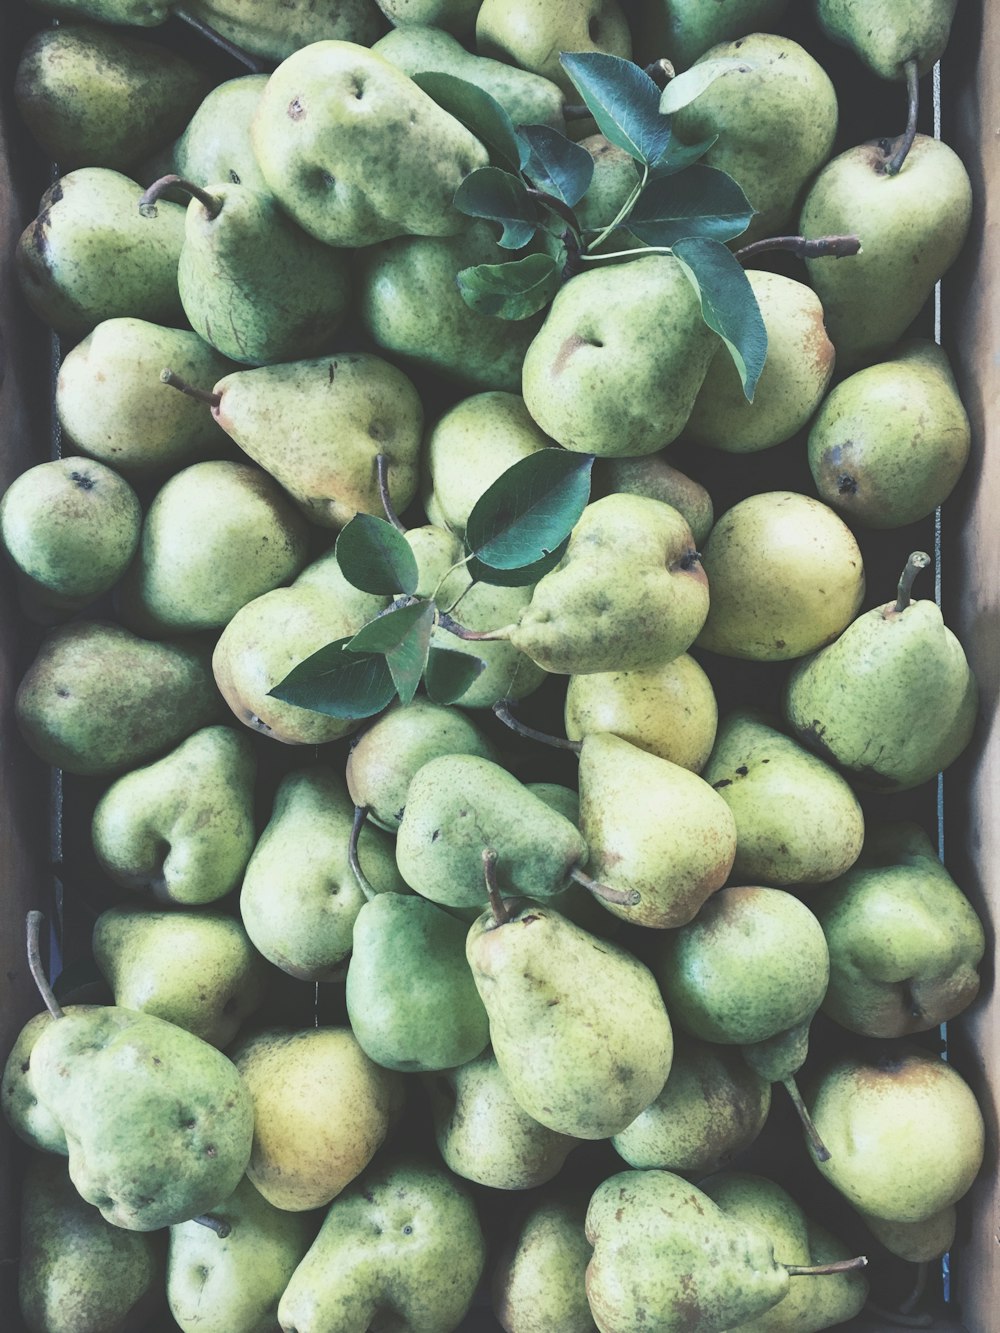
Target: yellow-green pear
<point x="458" y="16"/>
<point x="539" y="1282"/>
<point x="532" y="33"/>
<point x="653" y="476"/>
<point x="510" y="672"/>
<point x="886" y="37"/>
<point x="215" y="146"/>
<point x="683" y="30"/>
<point x="256" y="26"/>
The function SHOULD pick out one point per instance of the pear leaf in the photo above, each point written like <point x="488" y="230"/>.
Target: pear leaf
<point x="478" y="111"/>
<point x="556" y="164"/>
<point x="517" y="578"/>
<point x="703" y="201"/>
<point x="497" y="195"/>
<point x="682" y="90"/>
<point x="679" y="156"/>
<point x="403" y="635"/>
<point x="728" y="304"/>
<point x="339" y="683"/>
<point x="511" y="291"/>
<point x="449" y="674"/>
<point x="624" y="101"/>
<point x="375" y="557"/>
<point x="529" y="510"/>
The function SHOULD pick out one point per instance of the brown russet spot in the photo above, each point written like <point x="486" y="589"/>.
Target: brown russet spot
<point x="296" y="111"/>
<point x="570" y="345"/>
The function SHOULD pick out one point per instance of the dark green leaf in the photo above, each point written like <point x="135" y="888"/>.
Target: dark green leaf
<point x="728" y="304"/>
<point x="511" y="291"/>
<point x="478" y="112"/>
<point x="404" y="636"/>
<point x="701" y="201"/>
<point x="449" y="674"/>
<point x="375" y="557"/>
<point x="339" y="683"/>
<point x="556" y="164"/>
<point x="500" y="197"/>
<point x="517" y="578"/>
<point x="624" y="101"/>
<point x="683" y="89"/>
<point x="680" y="156"/>
<point x="530" y="509"/>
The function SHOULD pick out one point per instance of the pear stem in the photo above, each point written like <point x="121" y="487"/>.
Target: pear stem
<point x="560" y="209"/>
<point x="497" y="905"/>
<point x="621" y="897"/>
<point x="34" y="922"/>
<point x="382" y="469"/>
<point x="823" y="247"/>
<point x="353" y="860"/>
<point x="917" y="1290"/>
<point x="900" y="1320"/>
<point x="904" y="143"/>
<point x="822" y="1270"/>
<point x="223" y="43"/>
<point x="918" y="560"/>
<point x="819" y="1148"/>
<point x="474" y="635"/>
<point x="501" y="710"/>
<point x="222" y="1229"/>
<point x="211" y="203"/>
<point x="201" y="395"/>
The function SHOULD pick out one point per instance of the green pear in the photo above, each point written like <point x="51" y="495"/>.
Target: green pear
<point x="775" y="114"/>
<point x="31" y="1120"/>
<point x="629" y="593"/>
<point x="888" y="36"/>
<point x="181" y="829"/>
<point x="539" y="1281"/>
<point x="321" y="1111"/>
<point x="410" y="304"/>
<point x="356" y="152"/>
<point x="606" y="374"/>
<point x="890" y="442"/>
<point x="77" y="1271"/>
<point x="786" y="576"/>
<point x="404" y="1240"/>
<point x="96" y="98"/>
<point x="215" y="146"/>
<point x="713" y="1106"/>
<point x="912" y="226"/>
<point x="140" y="13"/>
<point x="673" y="865"/>
<point x="510" y="673"/>
<point x="112" y="405"/>
<point x="893" y="700"/>
<point x="484" y="1136"/>
<point x="916" y="1242"/>
<point x="232" y="1283"/>
<point x="904" y="941"/>
<point x="654" y="477"/>
<point x="98" y="699"/>
<point x="456" y="16"/>
<point x="577" y="1024"/>
<point x="797" y="820"/>
<point x="670" y="710"/>
<point x="281" y="416"/>
<point x="386" y="756"/>
<point x="683" y="30"/>
<point x="532" y="33"/>
<point x="196" y="969"/>
<point x="795" y="377"/>
<point x="70" y="527"/>
<point x="300" y="898"/>
<point x="616" y="175"/>
<point x="89" y="255"/>
<point x="440" y="557"/>
<point x="255" y="25"/>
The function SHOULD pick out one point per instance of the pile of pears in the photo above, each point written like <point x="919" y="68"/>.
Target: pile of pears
<point x="608" y="995"/>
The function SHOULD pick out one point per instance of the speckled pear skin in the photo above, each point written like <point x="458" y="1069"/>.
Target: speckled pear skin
<point x="215" y="146"/>
<point x="668" y="1260"/>
<point x="886" y="36"/>
<point x="256" y="26"/>
<point x="539" y="1281"/>
<point x="158" y="1124"/>
<point x="577" y="1024"/>
<point x="134" y="13"/>
<point x="683" y="30"/>
<point x="458" y="16"/>
<point x="532" y="33"/>
<point x="89" y="255"/>
<point x="916" y="1242"/>
<point x="404" y="1237"/>
<point x="356" y="152"/>
<point x="654" y="477"/>
<point x="27" y="1116"/>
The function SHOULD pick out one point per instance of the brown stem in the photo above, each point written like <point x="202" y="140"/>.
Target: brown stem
<point x="211" y="203"/>
<point x="823" y="247"/>
<point x="917" y="1290"/>
<point x="34" y="923"/>
<point x="821" y="1270"/>
<point x="904" y="143"/>
<point x="382" y="469"/>
<point x="497" y="905"/>
<point x="360" y="815"/>
<point x="474" y="635"/>
<point x="222" y="1229"/>
<point x="201" y="395"/>
<point x="575" y="111"/>
<point x="252" y="63"/>
<point x="501" y="710"/>
<point x="661" y="72"/>
<point x="558" y="207"/>
<point x="918" y="560"/>
<point x="621" y="897"/>
<point x="820" y="1151"/>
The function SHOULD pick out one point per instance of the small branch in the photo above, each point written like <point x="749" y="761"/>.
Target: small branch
<point x="382" y="468"/>
<point x="904" y="143"/>
<point x="252" y="63"/>
<point x="661" y="72"/>
<point x="918" y="560"/>
<point x="823" y="247"/>
<point x="623" y="212"/>
<point x="472" y="635"/>
<point x="34" y="922"/>
<point x="558" y="207"/>
<point x="575" y="111"/>
<point x="222" y="1229"/>
<point x="211" y="203"/>
<point x="360" y="815"/>
<point x="620" y="897"/>
<point x="200" y="395"/>
<point x="822" y="1270"/>
<point x="819" y="1148"/>
<point x="497" y="905"/>
<point x="502" y="710"/>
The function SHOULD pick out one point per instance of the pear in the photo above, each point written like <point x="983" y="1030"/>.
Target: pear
<point x="300" y="898"/>
<point x="658" y="479"/>
<point x="606" y="374"/>
<point x="616" y="175"/>
<point x="510" y="673"/>
<point x="30" y="1119"/>
<point x="215" y="146"/>
<point x="255" y="26"/>
<point x="531" y="33"/>
<point x="683" y="30"/>
<point x="98" y="699"/>
<point x="797" y="820"/>
<point x="539" y="1282"/>
<point x="891" y="441"/>
<point x="181" y="829"/>
<point x="893" y="700"/>
<point x="577" y="1024"/>
<point x="333" y="110"/>
<point x="456" y="16"/>
<point x="912" y="226"/>
<point x="196" y="969"/>
<point x="795" y="377"/>
<point x="786" y="576"/>
<point x="916" y="1242"/>
<point x="887" y="38"/>
<point x="775" y="115"/>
